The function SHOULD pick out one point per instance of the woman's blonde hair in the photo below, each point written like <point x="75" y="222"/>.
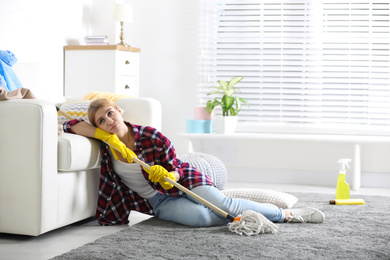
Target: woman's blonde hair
<point x="94" y="107"/>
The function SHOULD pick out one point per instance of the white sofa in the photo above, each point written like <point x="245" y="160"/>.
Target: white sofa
<point x="48" y="180"/>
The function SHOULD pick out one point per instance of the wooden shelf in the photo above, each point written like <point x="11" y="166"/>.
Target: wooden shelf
<point x="102" y="47"/>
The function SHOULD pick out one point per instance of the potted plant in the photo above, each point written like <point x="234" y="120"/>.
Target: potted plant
<point x="231" y="105"/>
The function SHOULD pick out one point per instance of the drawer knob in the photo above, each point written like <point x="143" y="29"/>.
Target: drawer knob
<point x="127" y="86"/>
<point x="127" y="62"/>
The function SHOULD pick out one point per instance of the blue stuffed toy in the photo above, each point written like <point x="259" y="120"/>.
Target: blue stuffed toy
<point x="8" y="78"/>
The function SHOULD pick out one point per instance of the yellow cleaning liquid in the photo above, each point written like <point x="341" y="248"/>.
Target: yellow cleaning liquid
<point x="342" y="188"/>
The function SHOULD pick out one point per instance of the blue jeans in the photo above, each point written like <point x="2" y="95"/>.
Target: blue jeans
<point x="188" y="211"/>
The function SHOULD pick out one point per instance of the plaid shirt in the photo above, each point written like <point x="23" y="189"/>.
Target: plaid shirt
<point x="115" y="200"/>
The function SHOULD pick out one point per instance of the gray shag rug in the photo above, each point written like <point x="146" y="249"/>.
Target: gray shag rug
<point x="349" y="232"/>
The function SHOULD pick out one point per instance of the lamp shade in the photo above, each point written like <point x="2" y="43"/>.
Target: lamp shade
<point x="122" y="12"/>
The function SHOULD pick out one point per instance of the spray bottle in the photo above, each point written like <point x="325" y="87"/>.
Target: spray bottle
<point x="342" y="189"/>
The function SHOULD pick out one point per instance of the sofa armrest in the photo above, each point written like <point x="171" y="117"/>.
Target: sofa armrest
<point x="141" y="111"/>
<point x="28" y="166"/>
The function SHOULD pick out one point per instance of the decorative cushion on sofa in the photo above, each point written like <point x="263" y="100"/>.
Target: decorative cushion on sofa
<point x="209" y="165"/>
<point x="76" y="109"/>
<point x="281" y="199"/>
<point x="76" y="152"/>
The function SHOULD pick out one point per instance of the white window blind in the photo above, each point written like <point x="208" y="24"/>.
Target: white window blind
<point x="307" y="65"/>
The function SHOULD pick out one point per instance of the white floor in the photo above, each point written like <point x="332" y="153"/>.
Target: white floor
<point x="65" y="239"/>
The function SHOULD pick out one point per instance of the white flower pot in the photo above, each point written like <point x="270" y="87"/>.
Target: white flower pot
<point x="225" y="124"/>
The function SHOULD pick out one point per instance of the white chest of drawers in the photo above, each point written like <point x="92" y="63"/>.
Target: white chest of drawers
<point x="110" y="68"/>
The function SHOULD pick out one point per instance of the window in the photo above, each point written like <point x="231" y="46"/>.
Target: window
<point x="308" y="66"/>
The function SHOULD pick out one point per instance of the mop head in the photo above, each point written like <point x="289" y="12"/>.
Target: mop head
<point x="252" y="223"/>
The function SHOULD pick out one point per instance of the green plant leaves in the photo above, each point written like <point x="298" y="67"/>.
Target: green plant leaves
<point x="218" y="89"/>
<point x="229" y="92"/>
<point x="223" y="84"/>
<point x="210" y="105"/>
<point x="233" y="112"/>
<point x="226" y="89"/>
<point x="234" y="81"/>
<point x="227" y="102"/>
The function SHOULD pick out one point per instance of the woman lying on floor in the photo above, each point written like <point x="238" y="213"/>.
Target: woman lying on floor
<point x="126" y="186"/>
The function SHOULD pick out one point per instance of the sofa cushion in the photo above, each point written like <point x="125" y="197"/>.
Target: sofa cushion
<point x="281" y="199"/>
<point x="76" y="109"/>
<point x="77" y="152"/>
<point x="209" y="165"/>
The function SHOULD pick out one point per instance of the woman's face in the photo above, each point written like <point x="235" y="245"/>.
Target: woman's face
<point x="109" y="119"/>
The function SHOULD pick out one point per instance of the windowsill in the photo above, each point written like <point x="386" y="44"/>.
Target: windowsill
<point x="356" y="139"/>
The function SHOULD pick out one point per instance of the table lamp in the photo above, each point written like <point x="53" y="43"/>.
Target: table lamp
<point x="122" y="13"/>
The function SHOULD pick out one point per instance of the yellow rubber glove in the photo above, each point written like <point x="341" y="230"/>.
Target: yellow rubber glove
<point x="157" y="173"/>
<point x="115" y="144"/>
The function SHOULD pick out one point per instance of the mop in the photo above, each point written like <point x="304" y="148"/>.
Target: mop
<point x="249" y="223"/>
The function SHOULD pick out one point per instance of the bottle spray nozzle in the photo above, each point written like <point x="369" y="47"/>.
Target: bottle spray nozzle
<point x="343" y="163"/>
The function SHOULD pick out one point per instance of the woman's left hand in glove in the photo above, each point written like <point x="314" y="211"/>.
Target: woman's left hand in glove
<point x="158" y="173"/>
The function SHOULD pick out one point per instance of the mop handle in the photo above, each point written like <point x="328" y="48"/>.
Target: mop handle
<point x="61" y="112"/>
<point x="187" y="191"/>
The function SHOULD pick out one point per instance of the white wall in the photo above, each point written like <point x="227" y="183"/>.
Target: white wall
<point x="166" y="32"/>
<point x="36" y="32"/>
